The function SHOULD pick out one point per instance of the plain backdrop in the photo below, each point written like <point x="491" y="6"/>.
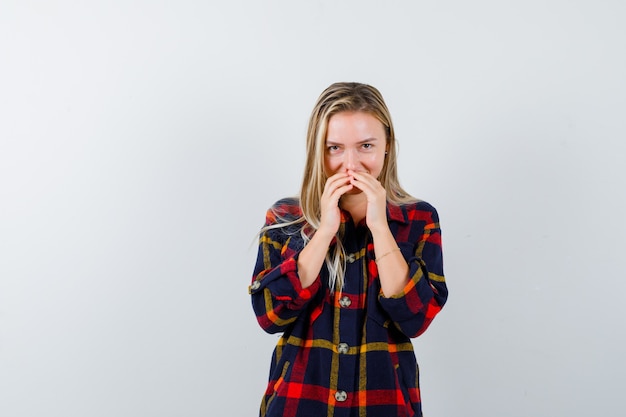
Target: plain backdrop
<point x="141" y="143"/>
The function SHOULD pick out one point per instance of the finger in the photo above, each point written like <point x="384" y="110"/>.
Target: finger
<point x="337" y="193"/>
<point x="367" y="179"/>
<point x="363" y="184"/>
<point x="337" y="177"/>
<point x="362" y="176"/>
<point x="336" y="181"/>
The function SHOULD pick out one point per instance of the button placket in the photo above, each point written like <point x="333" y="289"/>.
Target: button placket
<point x="343" y="348"/>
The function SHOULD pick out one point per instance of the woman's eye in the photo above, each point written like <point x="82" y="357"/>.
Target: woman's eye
<point x="333" y="148"/>
<point x="367" y="146"/>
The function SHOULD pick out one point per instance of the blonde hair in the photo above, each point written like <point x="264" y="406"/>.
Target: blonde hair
<point x="337" y="98"/>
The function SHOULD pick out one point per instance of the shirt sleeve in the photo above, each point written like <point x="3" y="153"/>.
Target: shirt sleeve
<point x="425" y="294"/>
<point x="277" y="295"/>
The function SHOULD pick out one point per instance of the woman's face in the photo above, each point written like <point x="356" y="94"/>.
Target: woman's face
<point x="355" y="141"/>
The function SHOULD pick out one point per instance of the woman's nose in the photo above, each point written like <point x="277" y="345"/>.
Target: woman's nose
<point x="351" y="159"/>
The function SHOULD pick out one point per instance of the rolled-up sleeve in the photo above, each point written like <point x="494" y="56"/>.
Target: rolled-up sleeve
<point x="426" y="292"/>
<point x="277" y="294"/>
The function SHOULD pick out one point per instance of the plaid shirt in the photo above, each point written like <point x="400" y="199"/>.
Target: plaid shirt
<point x="347" y="352"/>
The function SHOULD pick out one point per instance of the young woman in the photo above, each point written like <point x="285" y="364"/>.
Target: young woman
<point x="349" y="271"/>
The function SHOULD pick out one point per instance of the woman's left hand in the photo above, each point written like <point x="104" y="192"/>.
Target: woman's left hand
<point x="376" y="214"/>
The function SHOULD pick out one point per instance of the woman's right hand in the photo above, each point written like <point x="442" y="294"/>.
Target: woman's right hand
<point x="336" y="186"/>
<point x="312" y="256"/>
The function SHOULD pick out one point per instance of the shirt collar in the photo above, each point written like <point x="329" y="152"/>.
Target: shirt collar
<point x="396" y="213"/>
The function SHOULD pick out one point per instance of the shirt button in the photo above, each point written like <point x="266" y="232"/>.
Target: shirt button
<point x="350" y="258"/>
<point x="255" y="285"/>
<point x="345" y="301"/>
<point x="341" y="396"/>
<point x="343" y="348"/>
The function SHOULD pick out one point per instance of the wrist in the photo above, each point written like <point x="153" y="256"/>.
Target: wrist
<point x="324" y="234"/>
<point x="379" y="230"/>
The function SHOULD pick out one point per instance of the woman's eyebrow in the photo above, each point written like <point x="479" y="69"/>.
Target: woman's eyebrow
<point x="372" y="139"/>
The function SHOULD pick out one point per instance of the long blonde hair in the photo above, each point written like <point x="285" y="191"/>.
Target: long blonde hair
<point x="337" y="98"/>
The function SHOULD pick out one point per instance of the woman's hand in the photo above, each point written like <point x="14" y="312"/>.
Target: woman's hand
<point x="312" y="256"/>
<point x="336" y="186"/>
<point x="376" y="212"/>
<point x="393" y="270"/>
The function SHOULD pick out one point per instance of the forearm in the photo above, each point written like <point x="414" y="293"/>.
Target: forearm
<point x="312" y="257"/>
<point x="393" y="270"/>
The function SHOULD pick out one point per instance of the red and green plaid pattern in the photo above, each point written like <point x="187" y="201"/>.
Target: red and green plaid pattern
<point x="348" y="352"/>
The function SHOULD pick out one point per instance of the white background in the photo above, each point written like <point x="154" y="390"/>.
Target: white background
<point x="141" y="143"/>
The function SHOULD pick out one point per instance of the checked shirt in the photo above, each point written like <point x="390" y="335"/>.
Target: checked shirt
<point x="348" y="352"/>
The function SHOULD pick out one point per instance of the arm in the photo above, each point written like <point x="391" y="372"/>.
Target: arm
<point x="424" y="294"/>
<point x="278" y="296"/>
<point x="286" y="275"/>
<point x="413" y="289"/>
